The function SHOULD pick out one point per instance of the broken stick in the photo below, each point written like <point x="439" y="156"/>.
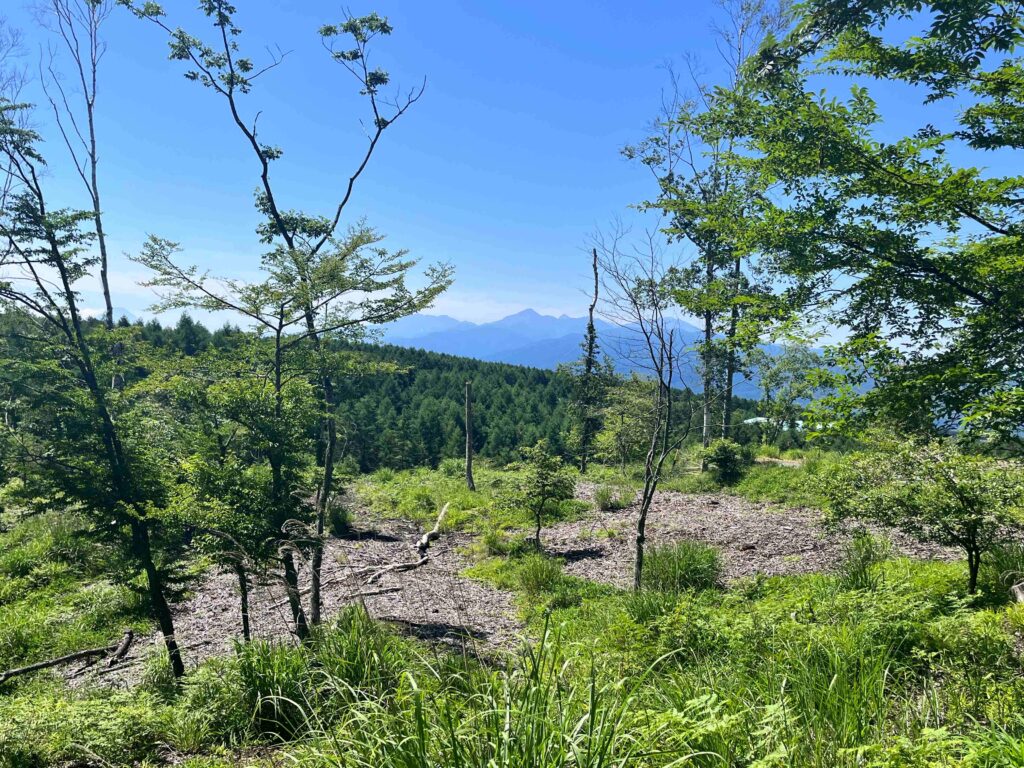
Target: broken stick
<point x="118" y="650"/>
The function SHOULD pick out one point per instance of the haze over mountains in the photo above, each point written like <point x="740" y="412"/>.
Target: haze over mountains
<point x="528" y="338"/>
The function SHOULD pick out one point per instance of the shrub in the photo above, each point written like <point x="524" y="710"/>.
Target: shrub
<point x="860" y="556"/>
<point x="681" y="566"/>
<point x="933" y="491"/>
<point x="728" y="460"/>
<point x="546" y="483"/>
<point x="452" y="467"/>
<point x="339" y="519"/>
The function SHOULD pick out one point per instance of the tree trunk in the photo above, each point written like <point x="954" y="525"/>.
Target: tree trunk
<point x="973" y="566"/>
<point x="243" y="592"/>
<point x="322" y="503"/>
<point x="161" y="610"/>
<point x="291" y="585"/>
<point x="641" y="537"/>
<point x="706" y="427"/>
<point x="469" y="436"/>
<point x="588" y="426"/>
<point x="730" y="369"/>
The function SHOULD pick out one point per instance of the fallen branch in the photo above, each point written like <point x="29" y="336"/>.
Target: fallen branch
<point x="350" y="595"/>
<point x="122" y="649"/>
<point x="118" y="650"/>
<point x="396" y="568"/>
<point x="433" y="534"/>
<point x="421" y="547"/>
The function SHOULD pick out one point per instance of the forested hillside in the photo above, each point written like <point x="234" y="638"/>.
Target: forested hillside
<point x="412" y="413"/>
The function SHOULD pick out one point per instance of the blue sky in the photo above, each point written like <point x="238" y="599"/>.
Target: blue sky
<point x="504" y="168"/>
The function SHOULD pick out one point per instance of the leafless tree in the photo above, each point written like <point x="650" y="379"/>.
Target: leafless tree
<point x="469" y="436"/>
<point x="12" y="67"/>
<point x="637" y="297"/>
<point x="76" y="26"/>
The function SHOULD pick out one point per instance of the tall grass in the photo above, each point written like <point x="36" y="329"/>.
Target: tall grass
<point x="538" y="714"/>
<point x="681" y="566"/>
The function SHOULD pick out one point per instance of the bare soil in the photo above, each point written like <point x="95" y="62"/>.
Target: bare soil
<point x="434" y="602"/>
<point x="754" y="537"/>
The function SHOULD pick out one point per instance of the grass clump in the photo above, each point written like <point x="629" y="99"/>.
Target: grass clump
<point x="861" y="556"/>
<point x="609" y="499"/>
<point x="339" y="519"/>
<point x="682" y="566"/>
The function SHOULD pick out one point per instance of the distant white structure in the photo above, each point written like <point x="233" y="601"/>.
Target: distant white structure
<point x="765" y="420"/>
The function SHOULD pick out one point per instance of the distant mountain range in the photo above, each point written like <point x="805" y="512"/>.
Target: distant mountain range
<point x="529" y="338"/>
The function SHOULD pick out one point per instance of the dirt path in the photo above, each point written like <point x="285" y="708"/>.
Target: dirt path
<point x="434" y="602"/>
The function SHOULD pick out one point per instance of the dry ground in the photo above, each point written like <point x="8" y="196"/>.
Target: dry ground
<point x="435" y="602"/>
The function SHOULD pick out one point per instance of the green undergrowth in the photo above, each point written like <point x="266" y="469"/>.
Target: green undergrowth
<point x="54" y="598"/>
<point x="784" y="671"/>
<point x="791" y="486"/>
<point x="886" y="663"/>
<point x="540" y="582"/>
<point x="419" y="494"/>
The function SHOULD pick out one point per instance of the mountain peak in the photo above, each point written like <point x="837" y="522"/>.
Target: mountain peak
<point x="525" y="314"/>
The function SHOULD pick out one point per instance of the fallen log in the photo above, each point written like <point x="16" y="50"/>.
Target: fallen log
<point x="118" y="650"/>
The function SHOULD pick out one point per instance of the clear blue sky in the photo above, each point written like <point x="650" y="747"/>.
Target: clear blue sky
<point x="504" y="168"/>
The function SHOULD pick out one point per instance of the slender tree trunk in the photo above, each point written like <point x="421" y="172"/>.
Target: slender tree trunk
<point x="243" y="593"/>
<point x="101" y="237"/>
<point x="161" y="610"/>
<point x="120" y="471"/>
<point x="469" y="436"/>
<point x="730" y="365"/>
<point x="707" y="428"/>
<point x="589" y="422"/>
<point x="322" y="502"/>
<point x="641" y="537"/>
<point x="973" y="566"/>
<point x="281" y="494"/>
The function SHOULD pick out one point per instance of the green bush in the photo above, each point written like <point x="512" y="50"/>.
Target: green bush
<point x="728" y="460"/>
<point x="681" y="566"/>
<point x="339" y="519"/>
<point x="452" y="467"/>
